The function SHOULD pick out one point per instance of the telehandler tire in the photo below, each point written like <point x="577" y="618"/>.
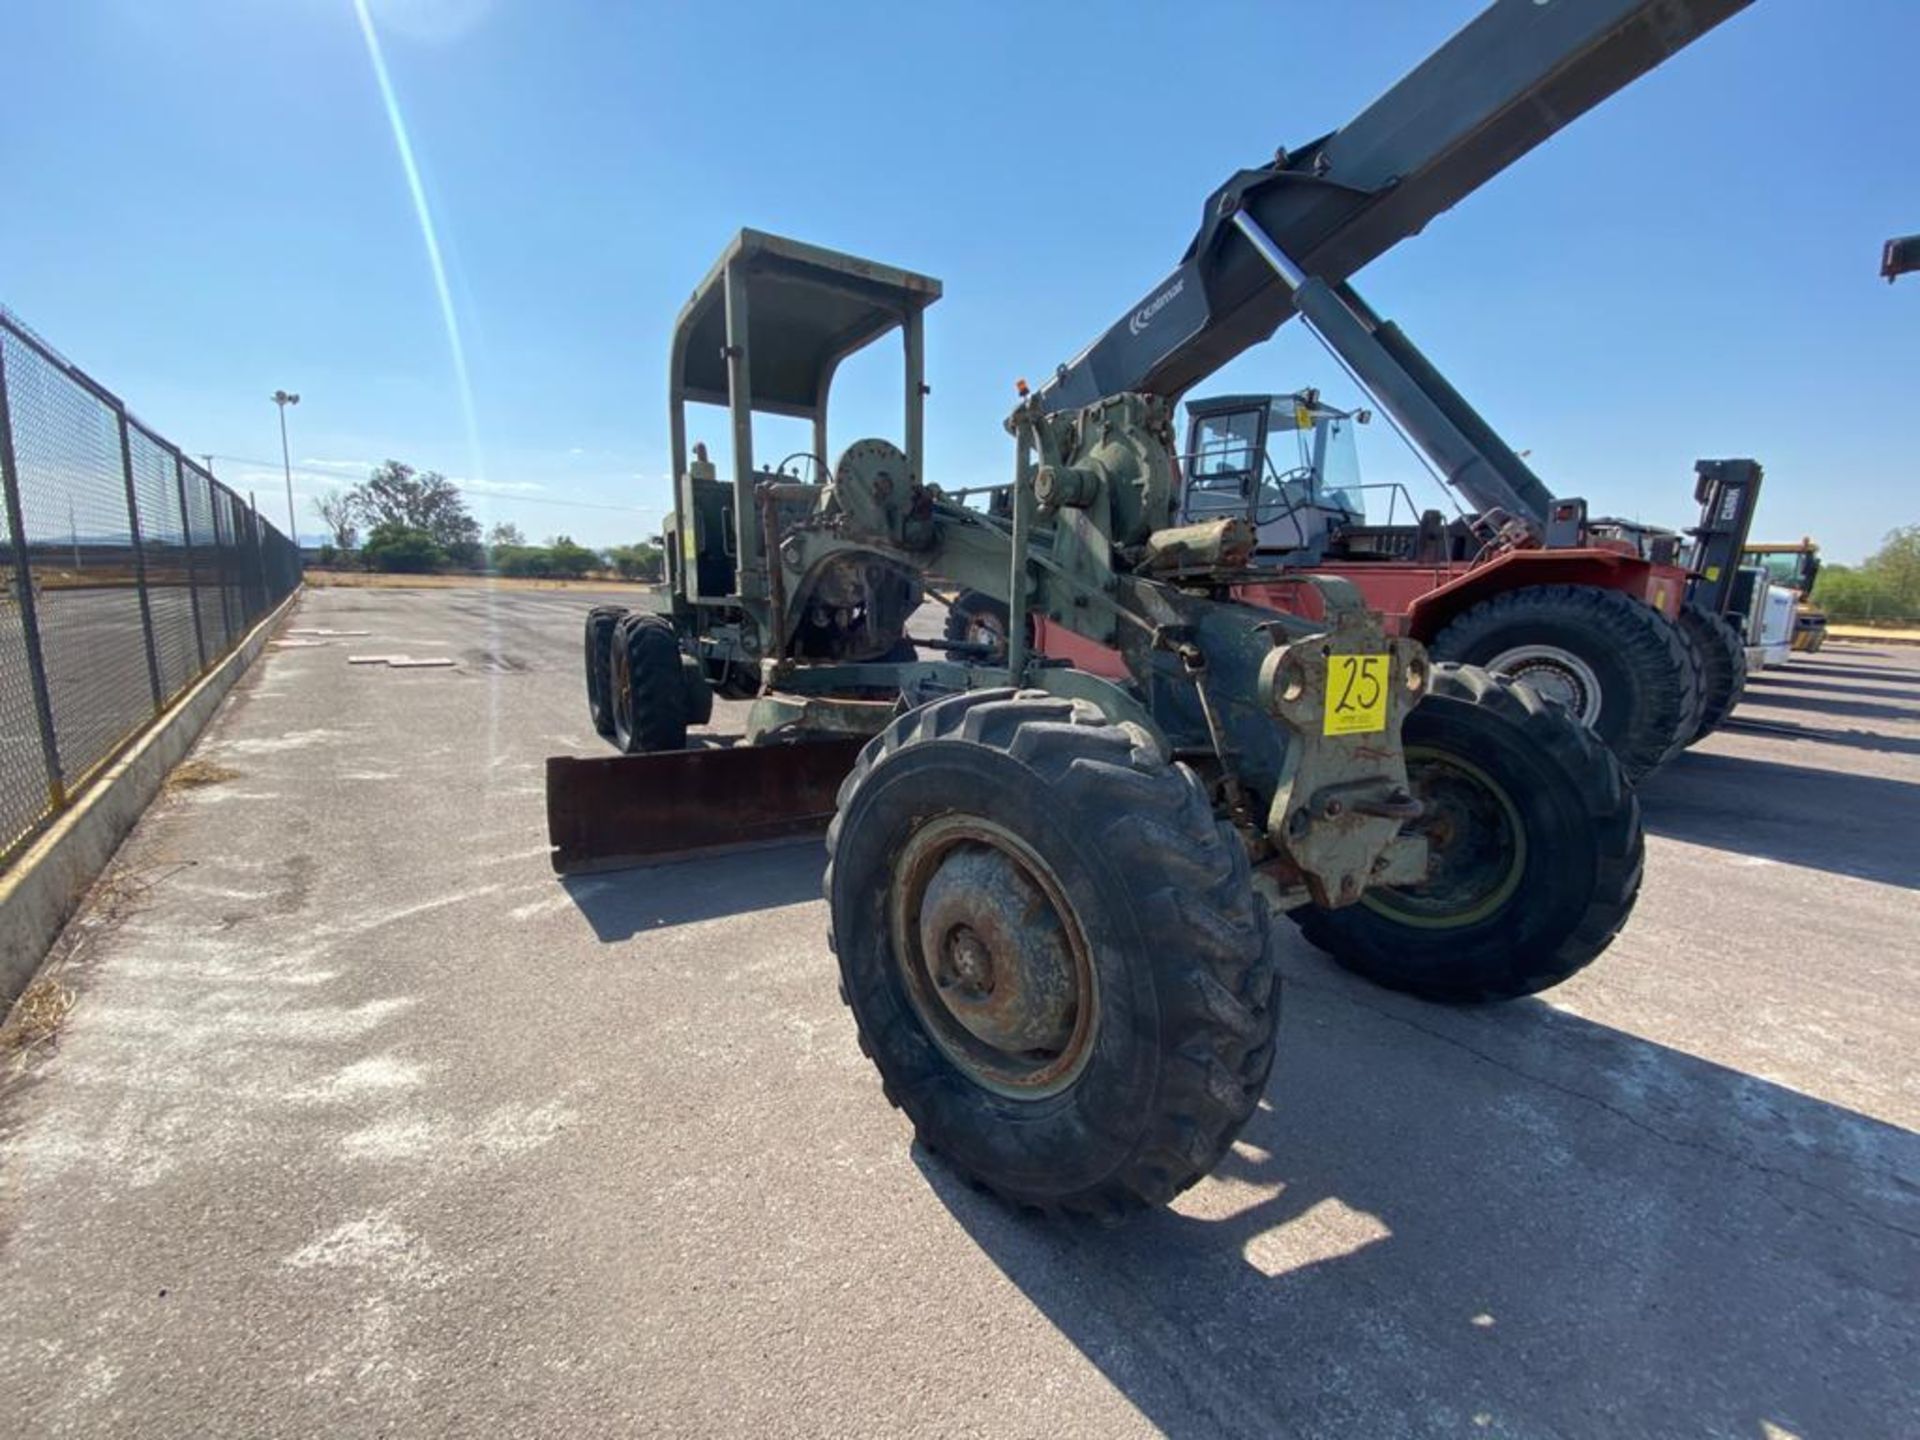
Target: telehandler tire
<point x="1697" y="657"/>
<point x="601" y="620"/>
<point x="1535" y="842"/>
<point x="1724" y="664"/>
<point x="1052" y="951"/>
<point x="1617" y="663"/>
<point x="649" y="690"/>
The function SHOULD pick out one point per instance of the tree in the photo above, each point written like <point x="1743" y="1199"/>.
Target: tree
<point x="1898" y="561"/>
<point x="636" y="562"/>
<point x="570" y="559"/>
<point x="523" y="560"/>
<point x="406" y="549"/>
<point x="1885" y="587"/>
<point x="1850" y="592"/>
<point x="397" y="495"/>
<point x="338" y="513"/>
<point x="505" y="535"/>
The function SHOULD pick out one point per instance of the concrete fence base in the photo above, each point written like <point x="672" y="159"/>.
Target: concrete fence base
<point x="39" y="894"/>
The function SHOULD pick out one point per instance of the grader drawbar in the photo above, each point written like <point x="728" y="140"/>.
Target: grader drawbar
<point x="1049" y="893"/>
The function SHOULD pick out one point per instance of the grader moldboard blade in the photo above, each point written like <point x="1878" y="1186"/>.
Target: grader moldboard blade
<point x="621" y="811"/>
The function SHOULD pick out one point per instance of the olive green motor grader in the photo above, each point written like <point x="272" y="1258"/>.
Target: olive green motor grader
<point x="1050" y="893"/>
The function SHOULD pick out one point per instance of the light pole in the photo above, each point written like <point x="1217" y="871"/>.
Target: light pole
<point x="283" y="399"/>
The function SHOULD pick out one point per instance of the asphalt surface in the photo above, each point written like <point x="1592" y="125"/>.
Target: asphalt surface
<point x="363" y="1123"/>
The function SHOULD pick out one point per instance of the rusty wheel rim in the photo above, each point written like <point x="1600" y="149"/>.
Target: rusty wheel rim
<point x="993" y="957"/>
<point x="620" y="689"/>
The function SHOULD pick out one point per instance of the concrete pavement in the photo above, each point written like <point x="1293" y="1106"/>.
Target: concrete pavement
<point x="364" y="1123"/>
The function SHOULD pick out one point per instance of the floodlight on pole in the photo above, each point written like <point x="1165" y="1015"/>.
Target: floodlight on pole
<point x="283" y="399"/>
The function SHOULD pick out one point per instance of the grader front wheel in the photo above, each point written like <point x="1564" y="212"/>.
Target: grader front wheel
<point x="1052" y="951"/>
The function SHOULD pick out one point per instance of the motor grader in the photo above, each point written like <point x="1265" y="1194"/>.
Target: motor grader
<point x="1050" y="892"/>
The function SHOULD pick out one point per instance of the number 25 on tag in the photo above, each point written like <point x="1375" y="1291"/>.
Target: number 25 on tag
<point x="1356" y="694"/>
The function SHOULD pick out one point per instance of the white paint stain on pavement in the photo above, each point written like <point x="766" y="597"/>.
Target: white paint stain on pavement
<point x="504" y="1132"/>
<point x="549" y="905"/>
<point x="376" y="1244"/>
<point x="273" y="745"/>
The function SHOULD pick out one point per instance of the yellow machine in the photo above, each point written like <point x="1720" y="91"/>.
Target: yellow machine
<point x="1794" y="567"/>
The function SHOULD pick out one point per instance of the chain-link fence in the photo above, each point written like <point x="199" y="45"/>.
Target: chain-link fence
<point x="128" y="570"/>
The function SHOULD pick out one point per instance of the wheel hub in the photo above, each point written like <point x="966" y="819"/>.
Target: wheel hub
<point x="1555" y="673"/>
<point x="1476" y="846"/>
<point x="968" y="962"/>
<point x="1000" y="959"/>
<point x="992" y="956"/>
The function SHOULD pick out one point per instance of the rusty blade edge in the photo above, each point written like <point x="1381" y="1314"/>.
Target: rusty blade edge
<point x="566" y="864"/>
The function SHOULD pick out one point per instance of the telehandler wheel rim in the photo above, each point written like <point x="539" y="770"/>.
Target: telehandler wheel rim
<point x="1476" y="846"/>
<point x="994" y="959"/>
<point x="1555" y="673"/>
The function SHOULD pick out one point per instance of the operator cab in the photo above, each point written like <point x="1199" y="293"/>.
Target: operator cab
<point x="1286" y="463"/>
<point x="763" y="335"/>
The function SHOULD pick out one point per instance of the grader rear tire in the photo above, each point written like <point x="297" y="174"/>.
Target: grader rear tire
<point x="648" y="689"/>
<point x="1536" y="851"/>
<point x="1052" y="951"/>
<point x="1617" y="663"/>
<point x="699" y="693"/>
<point x="601" y="620"/>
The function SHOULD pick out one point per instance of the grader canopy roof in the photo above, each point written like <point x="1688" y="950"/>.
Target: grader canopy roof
<point x="808" y="308"/>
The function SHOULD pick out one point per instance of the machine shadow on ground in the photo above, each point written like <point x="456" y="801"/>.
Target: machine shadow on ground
<point x="1504" y="1221"/>
<point x="1860" y="672"/>
<point x="1854" y="689"/>
<point x="1858" y="825"/>
<point x="620" y="904"/>
<point x="1854" y="705"/>
<point x="1822" y="735"/>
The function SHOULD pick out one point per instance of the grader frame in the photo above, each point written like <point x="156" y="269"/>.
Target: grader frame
<point x="806" y="588"/>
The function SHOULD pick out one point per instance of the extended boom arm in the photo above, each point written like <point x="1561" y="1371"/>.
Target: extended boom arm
<point x="1283" y="239"/>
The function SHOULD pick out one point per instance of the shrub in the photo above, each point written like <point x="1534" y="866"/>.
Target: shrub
<point x="401" y="549"/>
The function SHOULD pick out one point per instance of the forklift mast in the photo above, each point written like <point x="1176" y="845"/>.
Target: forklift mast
<point x="1285" y="238"/>
<point x="1728" y="492"/>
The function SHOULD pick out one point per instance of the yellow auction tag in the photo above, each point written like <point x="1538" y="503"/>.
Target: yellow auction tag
<point x="1356" y="694"/>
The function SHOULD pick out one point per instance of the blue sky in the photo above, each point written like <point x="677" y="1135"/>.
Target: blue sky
<point x="204" y="203"/>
